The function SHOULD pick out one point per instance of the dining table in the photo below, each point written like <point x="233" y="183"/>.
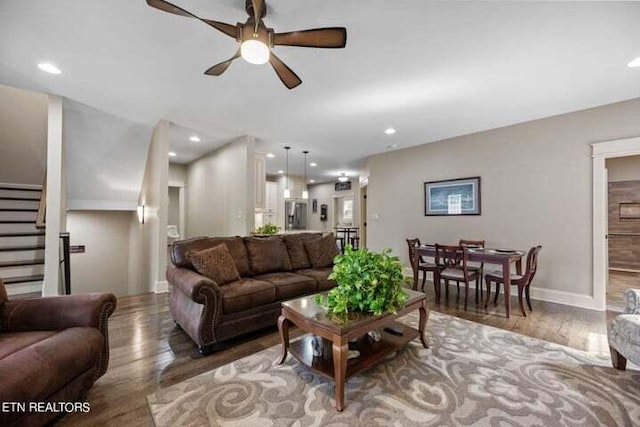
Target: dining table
<point x="503" y="257"/>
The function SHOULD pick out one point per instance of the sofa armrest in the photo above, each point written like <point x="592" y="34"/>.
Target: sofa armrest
<point x="632" y="297"/>
<point x="195" y="286"/>
<point x="57" y="313"/>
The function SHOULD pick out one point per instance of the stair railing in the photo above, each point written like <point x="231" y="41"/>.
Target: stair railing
<point x="65" y="262"/>
<point x="42" y="206"/>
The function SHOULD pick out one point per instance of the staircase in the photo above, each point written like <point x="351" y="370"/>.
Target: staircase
<point x="21" y="242"/>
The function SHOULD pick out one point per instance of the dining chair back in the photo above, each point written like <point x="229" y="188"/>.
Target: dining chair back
<point x="523" y="282"/>
<point x="422" y="264"/>
<point x="454" y="262"/>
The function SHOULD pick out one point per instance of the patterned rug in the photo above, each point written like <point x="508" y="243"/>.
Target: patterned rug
<point x="471" y="375"/>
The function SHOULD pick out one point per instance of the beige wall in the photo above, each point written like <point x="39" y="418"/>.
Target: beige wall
<point x="326" y="194"/>
<point x="173" y="217"/>
<point x="536" y="189"/>
<point x="221" y="191"/>
<point x="23" y="136"/>
<point x="154" y="196"/>
<point x="108" y="264"/>
<point x="623" y="168"/>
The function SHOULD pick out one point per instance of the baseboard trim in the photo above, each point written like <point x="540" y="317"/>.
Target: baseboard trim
<point x="162" y="286"/>
<point x="23" y="288"/>
<point x="562" y="297"/>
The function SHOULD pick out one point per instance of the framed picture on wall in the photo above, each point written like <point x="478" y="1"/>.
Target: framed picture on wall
<point x="452" y="197"/>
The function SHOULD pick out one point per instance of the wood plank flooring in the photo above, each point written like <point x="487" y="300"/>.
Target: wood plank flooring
<point x="619" y="281"/>
<point x="148" y="352"/>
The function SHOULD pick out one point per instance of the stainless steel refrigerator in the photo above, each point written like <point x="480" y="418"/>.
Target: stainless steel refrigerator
<point x="296" y="215"/>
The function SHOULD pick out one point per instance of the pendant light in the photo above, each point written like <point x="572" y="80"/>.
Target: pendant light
<point x="287" y="192"/>
<point x="305" y="192"/>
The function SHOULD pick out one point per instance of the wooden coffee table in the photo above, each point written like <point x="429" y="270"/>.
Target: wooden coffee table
<point x="313" y="318"/>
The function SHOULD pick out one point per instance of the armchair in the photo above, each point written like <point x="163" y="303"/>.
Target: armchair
<point x="624" y="332"/>
<point x="52" y="349"/>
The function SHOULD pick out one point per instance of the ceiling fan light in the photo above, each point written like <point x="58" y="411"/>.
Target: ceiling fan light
<point x="254" y="51"/>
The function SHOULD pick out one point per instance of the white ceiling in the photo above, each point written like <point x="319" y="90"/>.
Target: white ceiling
<point x="430" y="69"/>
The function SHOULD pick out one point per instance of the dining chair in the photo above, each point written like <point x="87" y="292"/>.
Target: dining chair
<point x="523" y="282"/>
<point x="475" y="266"/>
<point x="454" y="260"/>
<point x="424" y="266"/>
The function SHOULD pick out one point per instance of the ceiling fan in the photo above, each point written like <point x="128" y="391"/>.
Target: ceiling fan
<point x="256" y="39"/>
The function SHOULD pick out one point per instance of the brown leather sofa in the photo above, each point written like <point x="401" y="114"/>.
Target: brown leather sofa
<point x="211" y="313"/>
<point x="52" y="349"/>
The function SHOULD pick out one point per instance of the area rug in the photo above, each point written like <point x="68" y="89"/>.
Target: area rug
<point x="471" y="374"/>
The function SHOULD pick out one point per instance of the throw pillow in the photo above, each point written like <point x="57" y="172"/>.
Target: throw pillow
<point x="215" y="263"/>
<point x="267" y="254"/>
<point x="322" y="251"/>
<point x="297" y="252"/>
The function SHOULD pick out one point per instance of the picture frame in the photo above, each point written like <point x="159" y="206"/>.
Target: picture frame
<point x="452" y="197"/>
<point x="629" y="210"/>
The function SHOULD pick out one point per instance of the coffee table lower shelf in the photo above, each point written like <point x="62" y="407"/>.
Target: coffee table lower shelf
<point x="370" y="352"/>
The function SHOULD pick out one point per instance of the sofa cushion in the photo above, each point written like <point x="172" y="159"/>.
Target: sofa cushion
<point x="181" y="249"/>
<point x="215" y="263"/>
<point x="267" y="255"/>
<point x="321" y="276"/>
<point x="289" y="285"/>
<point x="38" y="370"/>
<point x="295" y="248"/>
<point x="11" y="342"/>
<point x="322" y="251"/>
<point x="246" y="293"/>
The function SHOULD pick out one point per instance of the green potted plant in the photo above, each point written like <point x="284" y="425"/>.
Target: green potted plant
<point x="370" y="282"/>
<point x="268" y="229"/>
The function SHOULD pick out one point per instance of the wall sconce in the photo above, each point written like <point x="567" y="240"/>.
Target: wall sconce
<point x="141" y="214"/>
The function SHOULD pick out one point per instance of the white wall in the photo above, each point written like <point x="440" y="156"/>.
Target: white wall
<point x="173" y="216"/>
<point x="154" y="196"/>
<point x="536" y="189"/>
<point x="105" y="158"/>
<point x="623" y="168"/>
<point x="108" y="264"/>
<point x="177" y="174"/>
<point x="221" y="191"/>
<point x="23" y="136"/>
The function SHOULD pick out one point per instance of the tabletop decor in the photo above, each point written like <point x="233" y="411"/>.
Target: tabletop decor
<point x="452" y="197"/>
<point x="368" y="281"/>
<point x="267" y="230"/>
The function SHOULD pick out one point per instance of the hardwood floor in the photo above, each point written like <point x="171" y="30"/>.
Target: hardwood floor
<point x="148" y="352"/>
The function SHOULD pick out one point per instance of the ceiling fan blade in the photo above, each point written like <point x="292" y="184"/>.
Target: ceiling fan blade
<point x="220" y="68"/>
<point x="257" y="10"/>
<point x="230" y="30"/>
<point x="331" y="38"/>
<point x="286" y="74"/>
<point x="171" y="8"/>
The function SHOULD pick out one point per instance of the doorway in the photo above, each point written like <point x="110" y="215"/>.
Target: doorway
<point x="623" y="228"/>
<point x="601" y="152"/>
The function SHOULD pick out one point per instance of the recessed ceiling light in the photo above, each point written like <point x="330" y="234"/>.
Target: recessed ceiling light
<point x="343" y="177"/>
<point x="49" y="68"/>
<point x="390" y="131"/>
<point x="313" y="164"/>
<point x="635" y="63"/>
<point x="280" y="171"/>
<point x="172" y="154"/>
<point x="312" y="181"/>
<point x="194" y="138"/>
<point x="271" y="155"/>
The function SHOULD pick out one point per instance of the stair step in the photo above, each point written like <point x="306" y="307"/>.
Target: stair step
<point x="36" y="199"/>
<point x="20" y="221"/>
<point x="21" y="248"/>
<point x="6" y="187"/>
<point x="21" y="263"/>
<point x="23" y="279"/>
<point x="23" y="234"/>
